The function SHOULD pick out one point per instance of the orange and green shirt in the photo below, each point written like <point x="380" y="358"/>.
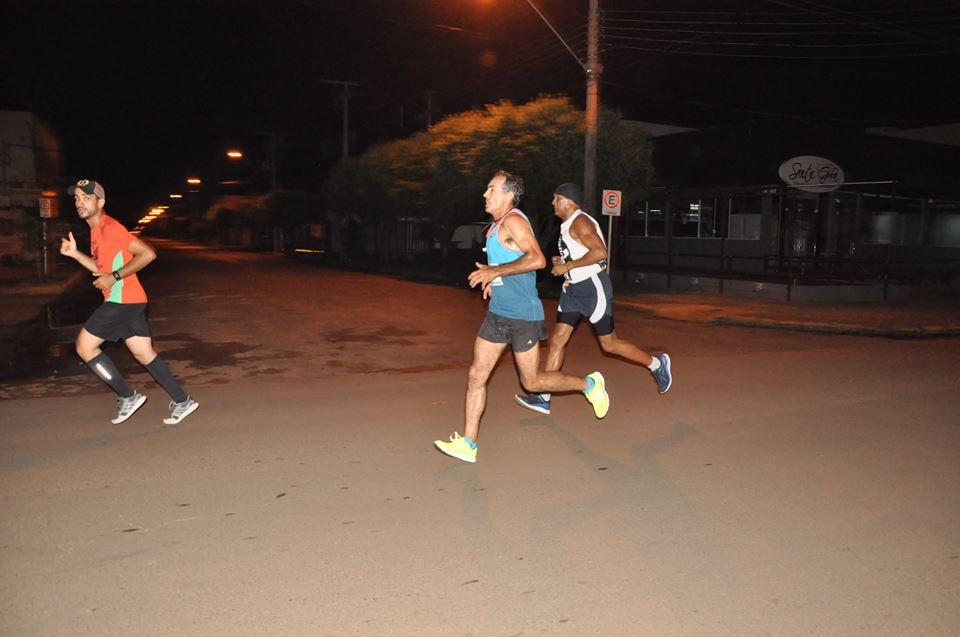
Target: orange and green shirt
<point x="109" y="247"/>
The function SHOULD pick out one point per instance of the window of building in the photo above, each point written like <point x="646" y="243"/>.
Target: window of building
<point x="845" y="209"/>
<point x="709" y="225"/>
<point x="647" y="219"/>
<point x="744" y="218"/>
<point x="686" y="218"/>
<point x="891" y="220"/>
<point x="876" y="218"/>
<point x="702" y="218"/>
<point x="909" y="221"/>
<point x="945" y="224"/>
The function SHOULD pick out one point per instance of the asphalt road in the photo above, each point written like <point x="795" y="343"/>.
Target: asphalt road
<point x="788" y="484"/>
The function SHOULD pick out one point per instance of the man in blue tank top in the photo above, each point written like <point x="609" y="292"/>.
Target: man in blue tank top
<point x="587" y="292"/>
<point x="514" y="316"/>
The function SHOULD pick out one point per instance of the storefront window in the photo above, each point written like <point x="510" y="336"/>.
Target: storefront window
<point x="876" y="219"/>
<point x="945" y="224"/>
<point x="845" y="207"/>
<point x="647" y="220"/>
<point x="709" y="228"/>
<point x="686" y="218"/>
<point x="744" y="218"/>
<point x="909" y="221"/>
<point x="895" y="220"/>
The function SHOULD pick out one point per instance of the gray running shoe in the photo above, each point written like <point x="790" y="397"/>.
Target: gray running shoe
<point x="179" y="411"/>
<point x="127" y="406"/>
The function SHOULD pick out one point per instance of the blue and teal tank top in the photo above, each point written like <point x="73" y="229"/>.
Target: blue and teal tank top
<point x="513" y="296"/>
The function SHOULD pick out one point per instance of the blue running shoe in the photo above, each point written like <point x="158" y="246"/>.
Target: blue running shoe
<point x="663" y="375"/>
<point x="536" y="402"/>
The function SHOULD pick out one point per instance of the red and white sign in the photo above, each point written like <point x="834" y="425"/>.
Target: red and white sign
<point x="611" y="203"/>
<point x="48" y="208"/>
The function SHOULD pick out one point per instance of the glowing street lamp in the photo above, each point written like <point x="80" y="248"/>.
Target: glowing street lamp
<point x="235" y="154"/>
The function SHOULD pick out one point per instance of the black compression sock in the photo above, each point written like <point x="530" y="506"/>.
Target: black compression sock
<point x="103" y="367"/>
<point x="159" y="369"/>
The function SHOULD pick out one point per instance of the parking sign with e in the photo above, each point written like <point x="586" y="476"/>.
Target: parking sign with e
<point x="47" y="210"/>
<point x="611" y="203"/>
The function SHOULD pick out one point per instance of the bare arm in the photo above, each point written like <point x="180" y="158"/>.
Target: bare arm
<point x="68" y="247"/>
<point x="515" y="233"/>
<point x="143" y="253"/>
<point x="585" y="233"/>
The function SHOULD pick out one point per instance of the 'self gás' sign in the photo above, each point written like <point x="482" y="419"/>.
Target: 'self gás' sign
<point x="811" y="173"/>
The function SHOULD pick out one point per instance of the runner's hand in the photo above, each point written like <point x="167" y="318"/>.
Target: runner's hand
<point x="481" y="276"/>
<point x="68" y="246"/>
<point x="103" y="280"/>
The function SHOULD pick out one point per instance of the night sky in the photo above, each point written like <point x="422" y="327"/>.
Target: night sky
<point x="144" y="93"/>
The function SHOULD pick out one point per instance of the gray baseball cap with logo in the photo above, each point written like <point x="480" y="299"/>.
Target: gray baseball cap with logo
<point x="88" y="186"/>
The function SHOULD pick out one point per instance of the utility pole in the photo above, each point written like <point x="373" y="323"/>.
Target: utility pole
<point x="274" y="141"/>
<point x="593" y="71"/>
<point x="592" y="68"/>
<point x="345" y="99"/>
<point x="430" y="109"/>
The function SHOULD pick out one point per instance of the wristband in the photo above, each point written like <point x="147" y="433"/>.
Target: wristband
<point x="116" y="275"/>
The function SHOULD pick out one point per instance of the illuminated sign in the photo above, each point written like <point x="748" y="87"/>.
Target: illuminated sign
<point x="811" y="173"/>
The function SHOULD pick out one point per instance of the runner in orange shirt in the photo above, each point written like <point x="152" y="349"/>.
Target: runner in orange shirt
<point x="116" y="258"/>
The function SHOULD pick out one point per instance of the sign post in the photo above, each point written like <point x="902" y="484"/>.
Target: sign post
<point x="48" y="210"/>
<point x="611" y="209"/>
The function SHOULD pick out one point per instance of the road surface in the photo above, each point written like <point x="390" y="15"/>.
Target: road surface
<point x="788" y="484"/>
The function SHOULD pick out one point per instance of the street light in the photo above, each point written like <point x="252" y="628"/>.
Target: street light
<point x="235" y="154"/>
<point x="592" y="69"/>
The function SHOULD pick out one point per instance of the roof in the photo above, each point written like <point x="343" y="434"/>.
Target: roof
<point x="947" y="134"/>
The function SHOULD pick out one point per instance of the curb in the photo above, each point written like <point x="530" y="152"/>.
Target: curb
<point x="715" y="315"/>
<point x="904" y="333"/>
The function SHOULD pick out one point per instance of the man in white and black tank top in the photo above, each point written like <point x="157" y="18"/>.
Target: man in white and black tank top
<point x="587" y="291"/>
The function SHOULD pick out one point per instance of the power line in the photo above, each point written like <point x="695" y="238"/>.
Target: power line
<point x="757" y="55"/>
<point x="790" y="45"/>
<point x="806" y="116"/>
<point x="525" y="63"/>
<point x="860" y="19"/>
<point x="899" y="36"/>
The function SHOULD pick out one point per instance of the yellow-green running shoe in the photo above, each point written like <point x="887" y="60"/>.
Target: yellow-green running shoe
<point x="458" y="447"/>
<point x="598" y="395"/>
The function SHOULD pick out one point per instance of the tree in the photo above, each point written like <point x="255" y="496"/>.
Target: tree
<point x="442" y="173"/>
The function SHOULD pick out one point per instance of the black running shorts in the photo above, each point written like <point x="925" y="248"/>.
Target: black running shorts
<point x="592" y="298"/>
<point x="118" y="321"/>
<point x="521" y="335"/>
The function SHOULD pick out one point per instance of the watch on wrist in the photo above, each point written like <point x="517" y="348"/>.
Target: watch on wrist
<point x="116" y="275"/>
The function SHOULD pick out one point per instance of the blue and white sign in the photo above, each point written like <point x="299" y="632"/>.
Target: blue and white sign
<point x="811" y="173"/>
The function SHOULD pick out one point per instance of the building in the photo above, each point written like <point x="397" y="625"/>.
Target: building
<point x="31" y="159"/>
<point x="798" y="204"/>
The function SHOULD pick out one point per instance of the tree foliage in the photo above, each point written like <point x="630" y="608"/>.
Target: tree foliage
<point x="441" y="174"/>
